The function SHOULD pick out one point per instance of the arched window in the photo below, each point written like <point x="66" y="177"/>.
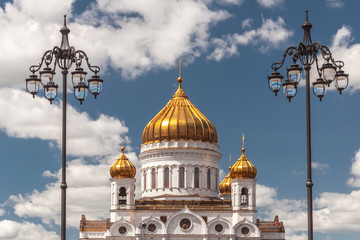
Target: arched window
<point x="144" y="180"/>
<point x="153" y="178"/>
<point x="166" y="177"/>
<point x="122" y="195"/>
<point x="122" y="192"/>
<point x="181" y="177"/>
<point x="196" y="178"/>
<point x="208" y="178"/>
<point x="244" y="197"/>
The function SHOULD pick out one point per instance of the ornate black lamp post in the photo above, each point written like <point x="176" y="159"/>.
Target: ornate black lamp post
<point x="307" y="54"/>
<point x="64" y="57"/>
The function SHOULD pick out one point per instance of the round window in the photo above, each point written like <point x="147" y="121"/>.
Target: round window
<point x="219" y="228"/>
<point x="122" y="230"/>
<point x="185" y="224"/>
<point x="245" y="230"/>
<point x="152" y="227"/>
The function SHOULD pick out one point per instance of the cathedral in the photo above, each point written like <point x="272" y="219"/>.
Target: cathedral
<point x="180" y="192"/>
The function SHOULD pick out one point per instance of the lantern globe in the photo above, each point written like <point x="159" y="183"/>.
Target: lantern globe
<point x="294" y="73"/>
<point x="274" y="81"/>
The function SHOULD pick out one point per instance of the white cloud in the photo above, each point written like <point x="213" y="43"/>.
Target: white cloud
<point x="343" y="50"/>
<point x="88" y="192"/>
<point x="130" y="36"/>
<point x="335" y="3"/>
<point x="354" y="181"/>
<point x="25" y="117"/>
<point x="246" y="23"/>
<point x="333" y="212"/>
<point x="11" y="230"/>
<point x="322" y="167"/>
<point x="270" y="3"/>
<point x="234" y="2"/>
<point x="271" y="34"/>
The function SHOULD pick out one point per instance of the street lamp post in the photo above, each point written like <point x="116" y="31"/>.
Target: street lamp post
<point x="307" y="54"/>
<point x="64" y="57"/>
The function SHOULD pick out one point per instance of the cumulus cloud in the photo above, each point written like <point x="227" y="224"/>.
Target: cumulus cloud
<point x="333" y="212"/>
<point x="24" y="117"/>
<point x="345" y="50"/>
<point x="12" y="230"/>
<point x="335" y="3"/>
<point x="130" y="36"/>
<point x="322" y="167"/>
<point x="271" y="34"/>
<point x="234" y="2"/>
<point x="246" y="23"/>
<point x="354" y="181"/>
<point x="88" y="193"/>
<point x="270" y="3"/>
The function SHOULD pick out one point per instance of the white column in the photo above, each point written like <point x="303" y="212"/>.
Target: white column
<point x="160" y="175"/>
<point x="190" y="177"/>
<point x="170" y="177"/>
<point x="185" y="176"/>
<point x="148" y="178"/>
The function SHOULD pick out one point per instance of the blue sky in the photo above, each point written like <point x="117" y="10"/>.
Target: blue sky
<point x="227" y="48"/>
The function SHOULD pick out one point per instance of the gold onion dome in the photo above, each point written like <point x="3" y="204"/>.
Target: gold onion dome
<point x="179" y="120"/>
<point x="225" y="185"/>
<point x="122" y="168"/>
<point x="243" y="168"/>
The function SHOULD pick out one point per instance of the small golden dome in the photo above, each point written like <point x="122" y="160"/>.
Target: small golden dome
<point x="225" y="185"/>
<point x="122" y="168"/>
<point x="179" y="120"/>
<point x="243" y="168"/>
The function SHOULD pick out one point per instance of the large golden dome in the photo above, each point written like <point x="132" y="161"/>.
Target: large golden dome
<point x="179" y="120"/>
<point x="122" y="167"/>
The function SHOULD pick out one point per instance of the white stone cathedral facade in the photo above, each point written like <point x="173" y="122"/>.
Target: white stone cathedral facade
<point x="180" y="193"/>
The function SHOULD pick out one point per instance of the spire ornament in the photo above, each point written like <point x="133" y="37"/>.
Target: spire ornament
<point x="243" y="144"/>
<point x="180" y="78"/>
<point x="230" y="162"/>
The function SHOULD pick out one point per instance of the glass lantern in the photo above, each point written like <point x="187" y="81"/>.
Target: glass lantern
<point x="341" y="80"/>
<point x="289" y="89"/>
<point x="47" y="75"/>
<point x="95" y="85"/>
<point x="319" y="88"/>
<point x="78" y="76"/>
<point x="274" y="81"/>
<point x="294" y="73"/>
<point x="33" y="84"/>
<point x="80" y="91"/>
<point x="51" y="90"/>
<point x="328" y="72"/>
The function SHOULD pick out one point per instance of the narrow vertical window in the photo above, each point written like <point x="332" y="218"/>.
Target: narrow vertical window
<point x="144" y="180"/>
<point x="196" y="178"/>
<point x="153" y="178"/>
<point x="208" y="179"/>
<point x="244" y="197"/>
<point x="181" y="177"/>
<point x="122" y="195"/>
<point x="166" y="177"/>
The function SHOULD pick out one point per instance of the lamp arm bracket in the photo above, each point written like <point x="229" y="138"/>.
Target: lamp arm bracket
<point x="46" y="58"/>
<point x="290" y="51"/>
<point x="317" y="67"/>
<point x="80" y="55"/>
